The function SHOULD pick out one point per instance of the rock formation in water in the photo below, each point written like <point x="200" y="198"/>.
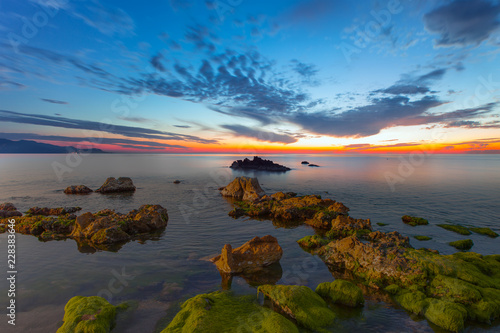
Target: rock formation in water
<point x="258" y="164"/>
<point x="112" y="185"/>
<point x="77" y="189"/>
<point x="7" y="209"/>
<point x="243" y="188"/>
<point x="45" y="211"/>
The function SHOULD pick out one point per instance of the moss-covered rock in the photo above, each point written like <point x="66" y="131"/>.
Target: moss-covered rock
<point x="448" y="315"/>
<point x="485" y="231"/>
<point x="454" y="290"/>
<point x="413" y="301"/>
<point x="300" y="303"/>
<point x="222" y="312"/>
<point x="382" y="224"/>
<point x="311" y="242"/>
<point x="455" y="228"/>
<point x="341" y="292"/>
<point x="414" y="221"/>
<point x="422" y="238"/>
<point x="88" y="315"/>
<point x="463" y="244"/>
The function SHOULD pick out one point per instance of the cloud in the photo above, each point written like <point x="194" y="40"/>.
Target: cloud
<point x="310" y="11"/>
<point x="156" y="62"/>
<point x="259" y="135"/>
<point x="410" y="85"/>
<point x="129" y="131"/>
<point x="365" y="120"/>
<point x="108" y="20"/>
<point x="182" y="126"/>
<point x="305" y="70"/>
<point x="135" y="119"/>
<point x="53" y="101"/>
<point x="463" y="22"/>
<point x="93" y="141"/>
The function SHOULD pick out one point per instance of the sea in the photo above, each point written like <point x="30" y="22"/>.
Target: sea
<point x="157" y="275"/>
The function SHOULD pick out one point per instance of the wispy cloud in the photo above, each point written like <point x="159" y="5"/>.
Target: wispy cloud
<point x="258" y="134"/>
<point x="53" y="101"/>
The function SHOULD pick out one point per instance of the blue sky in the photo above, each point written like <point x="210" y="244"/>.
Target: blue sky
<point x="277" y="75"/>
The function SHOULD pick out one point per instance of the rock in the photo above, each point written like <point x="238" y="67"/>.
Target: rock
<point x="414" y="221"/>
<point x="301" y="304"/>
<point x="243" y="188"/>
<point x="88" y="314"/>
<point x="78" y="189"/>
<point x="314" y="165"/>
<point x="463" y="244"/>
<point x="341" y="292"/>
<point x="112" y="185"/>
<point x="250" y="257"/>
<point x="448" y="315"/>
<point x="485" y="231"/>
<point x="52" y="211"/>
<point x="258" y="164"/>
<point x="343" y="226"/>
<point x="220" y="311"/>
<point x="177" y="181"/>
<point x="7" y="209"/>
<point x="304" y="162"/>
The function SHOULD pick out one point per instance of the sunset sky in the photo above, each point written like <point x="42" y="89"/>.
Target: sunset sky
<point x="234" y="76"/>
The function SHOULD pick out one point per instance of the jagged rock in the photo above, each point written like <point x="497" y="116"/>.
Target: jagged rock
<point x="7" y="209"/>
<point x="243" y="188"/>
<point x="258" y="164"/>
<point x="250" y="257"/>
<point x="52" y="211"/>
<point x="304" y="162"/>
<point x="122" y="184"/>
<point x="77" y="189"/>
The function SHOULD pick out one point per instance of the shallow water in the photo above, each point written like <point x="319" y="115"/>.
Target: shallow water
<point x="159" y="273"/>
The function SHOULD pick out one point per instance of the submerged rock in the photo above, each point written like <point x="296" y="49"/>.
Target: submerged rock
<point x="52" y="211"/>
<point x="243" y="188"/>
<point x="7" y="209"/>
<point x="112" y="185"/>
<point x="258" y="164"/>
<point x="250" y="257"/>
<point x="463" y="244"/>
<point x="222" y="312"/>
<point x="301" y="304"/>
<point x="341" y="292"/>
<point x="414" y="221"/>
<point x="88" y="314"/>
<point x="77" y="189"/>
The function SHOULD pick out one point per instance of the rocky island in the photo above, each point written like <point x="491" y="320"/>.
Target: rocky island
<point x="258" y="164"/>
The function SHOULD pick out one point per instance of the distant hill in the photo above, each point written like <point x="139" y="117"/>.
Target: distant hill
<point x="33" y="147"/>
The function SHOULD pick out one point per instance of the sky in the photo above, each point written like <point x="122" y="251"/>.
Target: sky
<point x="240" y="76"/>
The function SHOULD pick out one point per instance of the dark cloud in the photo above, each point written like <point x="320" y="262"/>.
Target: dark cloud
<point x="129" y="131"/>
<point x="463" y="22"/>
<point x="259" y="135"/>
<point x="136" y="119"/>
<point x="305" y="70"/>
<point x="53" y="101"/>
<point x="182" y="126"/>
<point x="92" y="141"/>
<point x="156" y="62"/>
<point x="411" y="85"/>
<point x="365" y="120"/>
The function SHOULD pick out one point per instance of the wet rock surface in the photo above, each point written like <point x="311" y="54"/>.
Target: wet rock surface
<point x="112" y="185"/>
<point x="243" y="188"/>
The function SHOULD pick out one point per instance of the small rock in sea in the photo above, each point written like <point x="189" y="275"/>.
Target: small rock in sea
<point x="250" y="257"/>
<point x="77" y="189"/>
<point x="177" y="181"/>
<point x="258" y="164"/>
<point x="304" y="162"/>
<point x="7" y="209"/>
<point x="314" y="165"/>
<point x="243" y="188"/>
<point x="122" y="184"/>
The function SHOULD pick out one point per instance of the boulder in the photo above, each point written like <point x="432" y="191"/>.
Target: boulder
<point x="77" y="189"/>
<point x="258" y="164"/>
<point x="341" y="292"/>
<point x="8" y="206"/>
<point x="250" y="257"/>
<point x="112" y="185"/>
<point x="314" y="165"/>
<point x="304" y="162"/>
<point x="7" y="209"/>
<point x="52" y="211"/>
<point x="243" y="188"/>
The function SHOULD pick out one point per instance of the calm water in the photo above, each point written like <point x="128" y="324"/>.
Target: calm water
<point x="159" y="273"/>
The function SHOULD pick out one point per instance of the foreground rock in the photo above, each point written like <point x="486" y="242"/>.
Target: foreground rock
<point x="341" y="292"/>
<point x="104" y="230"/>
<point x="78" y="189"/>
<point x="7" y="209"/>
<point x="301" y="304"/>
<point x="258" y="164"/>
<point x="223" y="312"/>
<point x="250" y="257"/>
<point x="112" y="185"/>
<point x="243" y="188"/>
<point x="88" y="314"/>
<point x="52" y="211"/>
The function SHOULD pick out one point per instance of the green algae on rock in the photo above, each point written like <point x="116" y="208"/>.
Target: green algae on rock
<point x="422" y="238"/>
<point x="382" y="224"/>
<point x="463" y="244"/>
<point x="448" y="315"/>
<point x="484" y="231"/>
<point x="220" y="311"/>
<point x="455" y="228"/>
<point x="414" y="221"/>
<point x="341" y="292"/>
<point x="300" y="303"/>
<point x="88" y="315"/>
<point x="313" y="241"/>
